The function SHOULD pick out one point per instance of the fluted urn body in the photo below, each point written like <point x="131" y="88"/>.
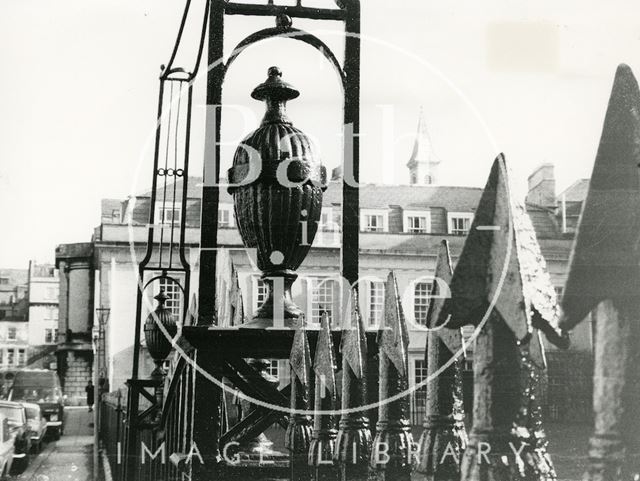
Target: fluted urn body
<point x="277" y="183"/>
<point x="158" y="343"/>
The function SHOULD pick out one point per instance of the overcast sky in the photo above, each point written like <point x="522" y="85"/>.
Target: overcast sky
<point x="79" y="88"/>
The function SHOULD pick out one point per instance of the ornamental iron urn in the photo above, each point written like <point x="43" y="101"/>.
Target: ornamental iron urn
<point x="158" y="343"/>
<point x="277" y="184"/>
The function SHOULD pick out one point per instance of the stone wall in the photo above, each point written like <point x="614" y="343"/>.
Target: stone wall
<point x="76" y="377"/>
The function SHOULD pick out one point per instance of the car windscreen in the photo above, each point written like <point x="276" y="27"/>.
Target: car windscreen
<point x="34" y="378"/>
<point x="32" y="413"/>
<point x="33" y="394"/>
<point x="12" y="414"/>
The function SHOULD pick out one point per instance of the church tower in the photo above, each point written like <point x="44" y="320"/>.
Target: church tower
<point x="423" y="165"/>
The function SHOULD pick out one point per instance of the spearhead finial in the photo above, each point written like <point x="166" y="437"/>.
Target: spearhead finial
<point x="452" y="338"/>
<point x="324" y="363"/>
<point x="300" y="358"/>
<point x="354" y="343"/>
<point x="444" y="412"/>
<point x="605" y="262"/>
<point x="393" y="338"/>
<point x="501" y="262"/>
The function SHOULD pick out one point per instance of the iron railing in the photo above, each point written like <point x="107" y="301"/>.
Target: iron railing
<point x="112" y="417"/>
<point x="500" y="285"/>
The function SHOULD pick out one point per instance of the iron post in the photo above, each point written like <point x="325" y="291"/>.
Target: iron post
<point x="501" y="285"/>
<point x="299" y="430"/>
<point x="604" y="276"/>
<point x="353" y="443"/>
<point x="444" y="437"/>
<point x="322" y="447"/>
<point x="392" y="453"/>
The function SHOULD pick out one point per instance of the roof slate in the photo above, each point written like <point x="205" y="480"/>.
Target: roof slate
<point x="372" y="196"/>
<point x="576" y="192"/>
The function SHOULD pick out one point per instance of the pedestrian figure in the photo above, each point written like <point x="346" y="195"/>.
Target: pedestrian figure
<point x="89" y="391"/>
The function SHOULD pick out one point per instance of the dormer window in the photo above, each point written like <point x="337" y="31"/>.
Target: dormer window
<point x="459" y="222"/>
<point x="374" y="220"/>
<point x="225" y="215"/>
<point x="328" y="234"/>
<point x="374" y="223"/>
<point x="417" y="222"/>
<point x="329" y="220"/>
<point x="168" y="215"/>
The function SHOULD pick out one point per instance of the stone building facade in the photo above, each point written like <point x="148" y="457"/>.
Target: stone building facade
<point x="43" y="286"/>
<point x="401" y="227"/>
<point x="74" y="351"/>
<point x="14" y="312"/>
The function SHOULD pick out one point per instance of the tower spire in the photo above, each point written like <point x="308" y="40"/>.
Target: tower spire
<point x="422" y="163"/>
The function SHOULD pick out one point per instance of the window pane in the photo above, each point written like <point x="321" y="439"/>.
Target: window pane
<point x="417" y="224"/>
<point x="262" y="291"/>
<point x="321" y="299"/>
<point x="421" y="302"/>
<point x="376" y="303"/>
<point x="169" y="215"/>
<point x="21" y="357"/>
<point x="272" y="369"/>
<point x="460" y="225"/>
<point x="420" y="396"/>
<point x="374" y="223"/>
<point x="420" y="370"/>
<point x="224" y="218"/>
<point x="173" y="293"/>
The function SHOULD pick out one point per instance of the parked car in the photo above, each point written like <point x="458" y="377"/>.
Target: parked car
<point x="17" y="419"/>
<point x="7" y="448"/>
<point x="6" y="381"/>
<point x="37" y="425"/>
<point x="41" y="386"/>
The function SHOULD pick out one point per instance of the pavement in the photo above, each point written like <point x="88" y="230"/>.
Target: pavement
<point x="70" y="458"/>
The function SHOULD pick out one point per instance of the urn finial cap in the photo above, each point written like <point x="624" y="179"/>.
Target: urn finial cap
<point x="161" y="297"/>
<point x="274" y="87"/>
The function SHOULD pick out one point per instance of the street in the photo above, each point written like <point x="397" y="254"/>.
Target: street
<point x="70" y="458"/>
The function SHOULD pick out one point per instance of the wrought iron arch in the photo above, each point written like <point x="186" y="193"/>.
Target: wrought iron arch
<point x="293" y="33"/>
<point x="164" y="276"/>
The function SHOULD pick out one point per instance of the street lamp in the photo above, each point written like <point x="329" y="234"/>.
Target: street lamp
<point x="102" y="315"/>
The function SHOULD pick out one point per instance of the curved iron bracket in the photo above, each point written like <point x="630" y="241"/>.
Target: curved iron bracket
<point x="289" y="32"/>
<point x="164" y="276"/>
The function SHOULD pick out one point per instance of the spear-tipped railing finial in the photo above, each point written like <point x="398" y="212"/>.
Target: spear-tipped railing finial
<point x="353" y="445"/>
<point x="500" y="284"/>
<point x="604" y="276"/>
<point x="392" y="451"/>
<point x="322" y="448"/>
<point x="444" y="437"/>
<point x="298" y="435"/>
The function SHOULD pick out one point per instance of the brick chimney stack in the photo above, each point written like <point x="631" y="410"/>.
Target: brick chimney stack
<point x="542" y="187"/>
